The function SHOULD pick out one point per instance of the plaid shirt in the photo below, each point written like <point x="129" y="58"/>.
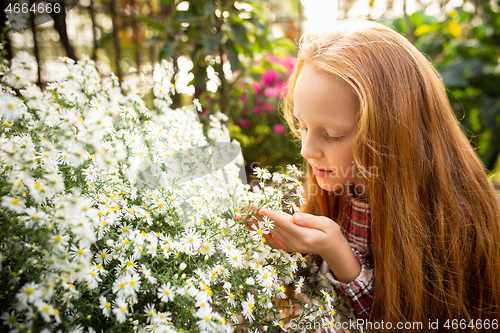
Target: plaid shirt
<point x="355" y="222"/>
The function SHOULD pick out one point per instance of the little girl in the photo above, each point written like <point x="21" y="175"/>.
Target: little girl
<point x="399" y="212"/>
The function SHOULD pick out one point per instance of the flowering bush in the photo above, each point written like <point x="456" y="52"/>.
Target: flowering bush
<point x="258" y="123"/>
<point x="110" y="221"/>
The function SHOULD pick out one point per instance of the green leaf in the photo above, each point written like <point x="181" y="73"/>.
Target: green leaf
<point x="181" y="17"/>
<point x="151" y="41"/>
<point x="208" y="8"/>
<point x="240" y="32"/>
<point x="155" y="24"/>
<point x="168" y="50"/>
<point x="210" y="41"/>
<point x="232" y="55"/>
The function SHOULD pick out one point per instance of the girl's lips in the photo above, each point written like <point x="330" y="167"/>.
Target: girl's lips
<point x="321" y="173"/>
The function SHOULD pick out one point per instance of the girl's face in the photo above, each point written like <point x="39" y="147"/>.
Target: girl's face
<point x="326" y="111"/>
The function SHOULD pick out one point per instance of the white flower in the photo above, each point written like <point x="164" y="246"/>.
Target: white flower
<point x="14" y="204"/>
<point x="120" y="286"/>
<point x="262" y="174"/>
<point x="120" y="309"/>
<point x="45" y="309"/>
<point x="90" y="174"/>
<point x="248" y="307"/>
<point x="29" y="293"/>
<point x="33" y="217"/>
<point x="93" y="278"/>
<point x="60" y="241"/>
<point x="235" y="258"/>
<point x="191" y="240"/>
<point x="80" y="253"/>
<point x="208" y="248"/>
<point x="146" y="272"/>
<point x="226" y="245"/>
<point x="300" y="284"/>
<point x="267" y="222"/>
<point x="9" y="319"/>
<point x="265" y="278"/>
<point x="104" y="256"/>
<point x="250" y="281"/>
<point x="10" y="107"/>
<point x="259" y="230"/>
<point x="166" y="293"/>
<point x="161" y="318"/>
<point x="206" y="323"/>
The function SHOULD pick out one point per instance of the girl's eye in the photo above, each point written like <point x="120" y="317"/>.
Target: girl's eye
<point x="332" y="138"/>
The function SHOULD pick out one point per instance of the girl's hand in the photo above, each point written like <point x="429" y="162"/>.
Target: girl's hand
<point x="255" y="216"/>
<point x="302" y="232"/>
<point x="308" y="233"/>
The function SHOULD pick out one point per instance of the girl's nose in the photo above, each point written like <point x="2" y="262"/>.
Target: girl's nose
<point x="310" y="150"/>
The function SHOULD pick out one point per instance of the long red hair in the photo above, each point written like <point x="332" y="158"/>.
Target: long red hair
<point x="432" y="260"/>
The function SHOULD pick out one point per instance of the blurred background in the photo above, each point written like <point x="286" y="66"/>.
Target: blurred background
<point x="235" y="57"/>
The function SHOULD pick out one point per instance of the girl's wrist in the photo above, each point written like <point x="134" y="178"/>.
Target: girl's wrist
<point x="340" y="258"/>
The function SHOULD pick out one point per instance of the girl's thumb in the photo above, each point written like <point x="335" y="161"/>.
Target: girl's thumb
<point x="299" y="218"/>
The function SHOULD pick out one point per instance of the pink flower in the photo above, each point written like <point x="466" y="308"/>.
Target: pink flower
<point x="243" y="99"/>
<point x="269" y="107"/>
<point x="273" y="58"/>
<point x="269" y="77"/>
<point x="258" y="109"/>
<point x="290" y="62"/>
<point x="278" y="128"/>
<point x="256" y="86"/>
<point x="271" y="92"/>
<point x="245" y="123"/>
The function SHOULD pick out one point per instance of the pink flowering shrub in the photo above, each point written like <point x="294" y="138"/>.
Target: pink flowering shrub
<point x="257" y="121"/>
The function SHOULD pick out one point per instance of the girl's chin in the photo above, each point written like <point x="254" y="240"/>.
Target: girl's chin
<point x="337" y="188"/>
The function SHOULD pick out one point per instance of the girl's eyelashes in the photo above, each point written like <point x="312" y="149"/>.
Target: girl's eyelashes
<point x="327" y="137"/>
<point x="333" y="138"/>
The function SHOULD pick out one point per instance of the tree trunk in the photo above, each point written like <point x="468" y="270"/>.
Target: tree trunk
<point x="3" y="21"/>
<point x="94" y="29"/>
<point x="116" y="40"/>
<point x="61" y="28"/>
<point x="36" y="49"/>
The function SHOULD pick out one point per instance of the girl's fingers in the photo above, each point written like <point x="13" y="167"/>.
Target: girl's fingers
<point x="251" y="212"/>
<point x="284" y="237"/>
<point x="274" y="243"/>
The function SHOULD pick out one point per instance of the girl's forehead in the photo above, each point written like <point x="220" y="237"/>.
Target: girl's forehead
<point x="323" y="99"/>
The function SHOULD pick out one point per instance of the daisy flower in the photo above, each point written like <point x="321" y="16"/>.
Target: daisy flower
<point x="267" y="222"/>
<point x="226" y="245"/>
<point x="120" y="309"/>
<point x="235" y="258"/>
<point x="191" y="240"/>
<point x="166" y="293"/>
<point x="104" y="256"/>
<point x="300" y="284"/>
<point x="79" y="253"/>
<point x="104" y="305"/>
<point x="29" y="293"/>
<point x="248" y="307"/>
<point x="208" y="248"/>
<point x="259" y="230"/>
<point x="14" y="204"/>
